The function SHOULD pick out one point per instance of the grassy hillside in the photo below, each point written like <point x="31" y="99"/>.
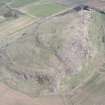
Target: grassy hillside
<point x="43" y="8"/>
<point x="92" y="91"/>
<point x="57" y="55"/>
<point x="50" y="59"/>
<point x="97" y="30"/>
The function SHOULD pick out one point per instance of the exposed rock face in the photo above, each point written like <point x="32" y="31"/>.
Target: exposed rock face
<point x="39" y="62"/>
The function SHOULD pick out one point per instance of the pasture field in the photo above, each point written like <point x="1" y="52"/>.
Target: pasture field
<point x="8" y="28"/>
<point x="11" y="26"/>
<point x="40" y="8"/>
<point x="20" y="3"/>
<point x="43" y="8"/>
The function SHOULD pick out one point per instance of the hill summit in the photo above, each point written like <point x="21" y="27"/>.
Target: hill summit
<point x="57" y="54"/>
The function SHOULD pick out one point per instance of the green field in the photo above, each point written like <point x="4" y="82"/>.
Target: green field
<point x="20" y="3"/>
<point x="45" y="9"/>
<point x="40" y="8"/>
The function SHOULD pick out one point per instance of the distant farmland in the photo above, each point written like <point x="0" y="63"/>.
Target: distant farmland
<point x="45" y="9"/>
<point x="20" y="3"/>
<point x="38" y="8"/>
